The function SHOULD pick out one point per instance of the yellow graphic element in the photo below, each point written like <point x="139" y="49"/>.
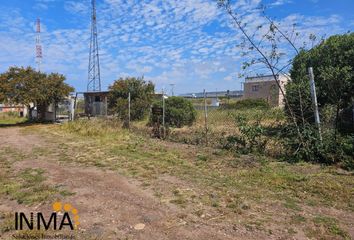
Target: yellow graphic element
<point x="58" y="207"/>
<point x="74" y="211"/>
<point x="67" y="207"/>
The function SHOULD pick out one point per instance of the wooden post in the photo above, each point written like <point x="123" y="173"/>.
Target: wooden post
<point x="353" y="114"/>
<point x="106" y="106"/>
<point x="205" y="118"/>
<point x="163" y="114"/>
<point x="129" y="110"/>
<point x="314" y="101"/>
<point x="55" y="112"/>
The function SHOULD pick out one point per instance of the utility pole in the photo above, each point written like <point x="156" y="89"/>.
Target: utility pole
<point x="205" y="117"/>
<point x="163" y="114"/>
<point x="129" y="110"/>
<point x="172" y="89"/>
<point x="314" y="101"/>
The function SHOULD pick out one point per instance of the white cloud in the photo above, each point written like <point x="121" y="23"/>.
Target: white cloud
<point x="42" y="4"/>
<point x="229" y="78"/>
<point x="167" y="41"/>
<point x="280" y="2"/>
<point x="76" y="7"/>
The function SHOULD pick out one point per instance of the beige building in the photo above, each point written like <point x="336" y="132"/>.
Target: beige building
<point x="265" y="87"/>
<point x="20" y="109"/>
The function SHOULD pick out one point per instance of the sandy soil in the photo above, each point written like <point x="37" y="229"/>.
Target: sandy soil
<point x="110" y="205"/>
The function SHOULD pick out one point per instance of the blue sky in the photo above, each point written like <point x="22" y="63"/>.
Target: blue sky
<point x="190" y="43"/>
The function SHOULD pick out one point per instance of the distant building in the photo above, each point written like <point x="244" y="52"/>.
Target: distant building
<point x="265" y="87"/>
<point x="20" y="109"/>
<point x="230" y="94"/>
<point x="96" y="103"/>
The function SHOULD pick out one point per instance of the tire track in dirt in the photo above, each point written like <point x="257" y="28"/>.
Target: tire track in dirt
<point x="109" y="204"/>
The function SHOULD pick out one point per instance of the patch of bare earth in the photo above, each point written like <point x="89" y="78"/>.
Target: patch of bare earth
<point x="112" y="206"/>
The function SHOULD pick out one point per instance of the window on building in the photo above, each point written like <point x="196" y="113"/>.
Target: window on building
<point x="97" y="99"/>
<point x="255" y="88"/>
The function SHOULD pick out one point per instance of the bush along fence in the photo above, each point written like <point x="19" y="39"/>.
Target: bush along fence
<point x="242" y="126"/>
<point x="207" y="120"/>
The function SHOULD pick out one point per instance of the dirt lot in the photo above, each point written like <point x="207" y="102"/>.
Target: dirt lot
<point x="126" y="187"/>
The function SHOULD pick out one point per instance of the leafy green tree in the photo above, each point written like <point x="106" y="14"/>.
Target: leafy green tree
<point x="333" y="65"/>
<point x="179" y="112"/>
<point x="268" y="40"/>
<point x="53" y="89"/>
<point x="141" y="93"/>
<point x="32" y="88"/>
<point x="332" y="62"/>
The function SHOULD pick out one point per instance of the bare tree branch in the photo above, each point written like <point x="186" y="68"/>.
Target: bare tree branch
<point x="268" y="61"/>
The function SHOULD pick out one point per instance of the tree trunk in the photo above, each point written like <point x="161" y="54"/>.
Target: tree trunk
<point x="336" y="123"/>
<point x="353" y="115"/>
<point x="301" y="110"/>
<point x="30" y="112"/>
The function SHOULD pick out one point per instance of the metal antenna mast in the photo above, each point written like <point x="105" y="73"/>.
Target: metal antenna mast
<point x="94" y="75"/>
<point x="38" y="45"/>
<point x="172" y="89"/>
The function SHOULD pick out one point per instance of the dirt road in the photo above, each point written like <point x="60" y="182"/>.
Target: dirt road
<point x="125" y="186"/>
<point x="110" y="206"/>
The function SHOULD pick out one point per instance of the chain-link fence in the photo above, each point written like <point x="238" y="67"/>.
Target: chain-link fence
<point x="215" y="119"/>
<point x="220" y="119"/>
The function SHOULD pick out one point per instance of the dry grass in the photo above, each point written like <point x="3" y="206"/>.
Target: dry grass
<point x="26" y="186"/>
<point x="256" y="192"/>
<point x="220" y="124"/>
<point x="11" y="118"/>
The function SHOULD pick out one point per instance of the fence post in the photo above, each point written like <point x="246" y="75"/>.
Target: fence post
<point x="353" y="115"/>
<point x="314" y="101"/>
<point x="55" y="112"/>
<point x="129" y="110"/>
<point x="163" y="114"/>
<point x="106" y="106"/>
<point x="205" y="118"/>
<point x="74" y="108"/>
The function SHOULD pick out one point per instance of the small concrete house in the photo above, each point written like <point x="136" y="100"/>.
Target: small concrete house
<point x="265" y="87"/>
<point x="96" y="103"/>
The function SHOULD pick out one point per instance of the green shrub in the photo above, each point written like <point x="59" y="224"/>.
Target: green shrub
<point x="333" y="149"/>
<point x="6" y="115"/>
<point x="141" y="93"/>
<point x="332" y="62"/>
<point x="8" y="118"/>
<point x="248" y="103"/>
<point x="251" y="137"/>
<point x="179" y="112"/>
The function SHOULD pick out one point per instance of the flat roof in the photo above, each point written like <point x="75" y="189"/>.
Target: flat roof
<point x="93" y="93"/>
<point x="263" y="78"/>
